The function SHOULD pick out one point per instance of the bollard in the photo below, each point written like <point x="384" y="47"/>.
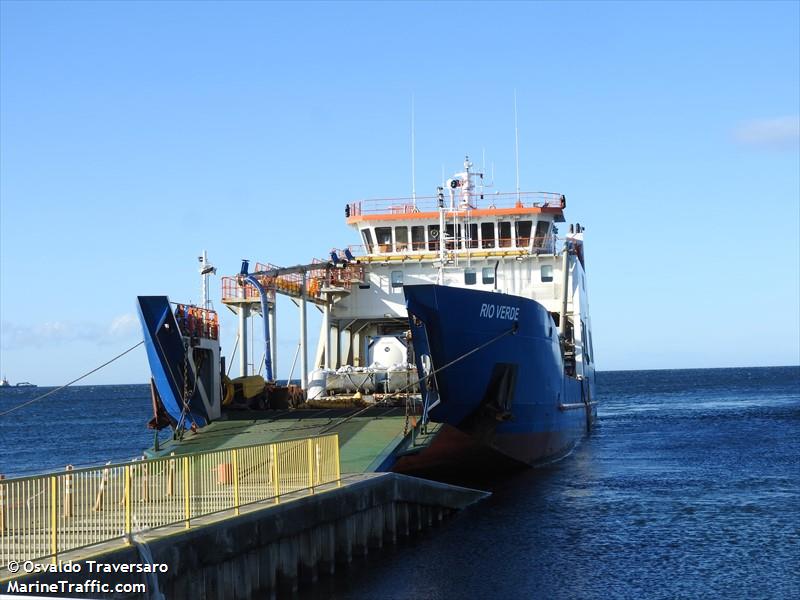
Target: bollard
<point x="68" y="499"/>
<point x="275" y="474"/>
<point x="2" y="505"/>
<point x="126" y="497"/>
<point x="98" y="502"/>
<point x="187" y="506"/>
<point x="54" y="518"/>
<point x="337" y="464"/>
<point x="235" y="459"/>
<point x="309" y="447"/>
<point x="171" y="475"/>
<point x="318" y="463"/>
<point x="225" y="473"/>
<point x="145" y="485"/>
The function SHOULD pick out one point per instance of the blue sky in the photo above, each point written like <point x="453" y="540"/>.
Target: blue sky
<point x="134" y="135"/>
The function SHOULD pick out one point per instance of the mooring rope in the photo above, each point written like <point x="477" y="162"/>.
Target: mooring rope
<point x="85" y="375"/>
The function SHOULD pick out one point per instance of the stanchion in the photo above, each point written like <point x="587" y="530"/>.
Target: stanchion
<point x="235" y="460"/>
<point x="126" y="496"/>
<point x="98" y="502"/>
<point x="54" y="518"/>
<point x="274" y="455"/>
<point x="310" y="449"/>
<point x="171" y="475"/>
<point x="68" y="499"/>
<point x="145" y="485"/>
<point x="187" y="507"/>
<point x="2" y="505"/>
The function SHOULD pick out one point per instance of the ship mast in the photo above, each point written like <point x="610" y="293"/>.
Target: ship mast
<point x="206" y="270"/>
<point x="440" y="198"/>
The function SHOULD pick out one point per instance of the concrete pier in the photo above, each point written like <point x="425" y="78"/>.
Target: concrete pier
<point x="272" y="550"/>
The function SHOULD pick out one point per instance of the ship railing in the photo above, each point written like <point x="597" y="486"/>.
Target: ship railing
<point x="534" y="245"/>
<point x="195" y="321"/>
<point x="346" y="275"/>
<point x="290" y="284"/>
<point x="316" y="278"/>
<point x="44" y="517"/>
<point x="235" y="289"/>
<point x="475" y="201"/>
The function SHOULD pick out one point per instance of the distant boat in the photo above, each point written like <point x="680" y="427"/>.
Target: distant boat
<point x="4" y="382"/>
<point x="26" y="384"/>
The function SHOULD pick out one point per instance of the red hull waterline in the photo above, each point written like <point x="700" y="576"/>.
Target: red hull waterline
<point x="456" y="451"/>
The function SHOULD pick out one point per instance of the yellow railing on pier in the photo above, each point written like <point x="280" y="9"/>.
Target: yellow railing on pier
<point x="44" y="516"/>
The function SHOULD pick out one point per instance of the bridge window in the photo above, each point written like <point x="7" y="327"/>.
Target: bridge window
<point x="401" y="238"/>
<point x="540" y="239"/>
<point x="523" y="233"/>
<point x="383" y="236"/>
<point x="418" y="237"/>
<point x="487" y="275"/>
<point x="546" y="273"/>
<point x="503" y="233"/>
<point x="470" y="278"/>
<point x="472" y="234"/>
<point x="433" y="237"/>
<point x="397" y="279"/>
<point x="367" y="235"/>
<point x="453" y="239"/>
<point x="487" y="235"/>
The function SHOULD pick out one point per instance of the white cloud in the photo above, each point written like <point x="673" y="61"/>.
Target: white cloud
<point x="778" y="133"/>
<point x="50" y="333"/>
<point x="124" y="325"/>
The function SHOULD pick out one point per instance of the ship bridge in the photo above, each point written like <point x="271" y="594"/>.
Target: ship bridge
<point x="463" y="236"/>
<point x="493" y="225"/>
<point x="462" y="218"/>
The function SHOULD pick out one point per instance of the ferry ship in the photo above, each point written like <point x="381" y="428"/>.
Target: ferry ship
<point x="462" y="318"/>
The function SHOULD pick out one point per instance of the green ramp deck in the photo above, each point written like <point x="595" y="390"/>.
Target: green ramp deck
<point x="366" y="437"/>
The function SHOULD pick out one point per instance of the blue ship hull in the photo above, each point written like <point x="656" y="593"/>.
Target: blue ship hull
<point x="498" y="381"/>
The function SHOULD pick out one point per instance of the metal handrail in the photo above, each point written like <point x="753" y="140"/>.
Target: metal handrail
<point x="540" y="244"/>
<point x="44" y="516"/>
<point x="478" y="201"/>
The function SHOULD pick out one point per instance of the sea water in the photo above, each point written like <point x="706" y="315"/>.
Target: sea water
<point x="688" y="487"/>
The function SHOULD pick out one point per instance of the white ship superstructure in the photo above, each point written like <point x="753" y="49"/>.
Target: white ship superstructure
<point x="464" y="310"/>
<point x="465" y="236"/>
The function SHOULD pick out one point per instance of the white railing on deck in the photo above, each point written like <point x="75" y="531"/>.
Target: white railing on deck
<point x="477" y="201"/>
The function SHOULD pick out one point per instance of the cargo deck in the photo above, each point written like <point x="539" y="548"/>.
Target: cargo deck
<point x="368" y="438"/>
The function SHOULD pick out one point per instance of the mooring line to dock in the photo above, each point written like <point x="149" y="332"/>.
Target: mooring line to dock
<point x="146" y="558"/>
<point x="85" y="375"/>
